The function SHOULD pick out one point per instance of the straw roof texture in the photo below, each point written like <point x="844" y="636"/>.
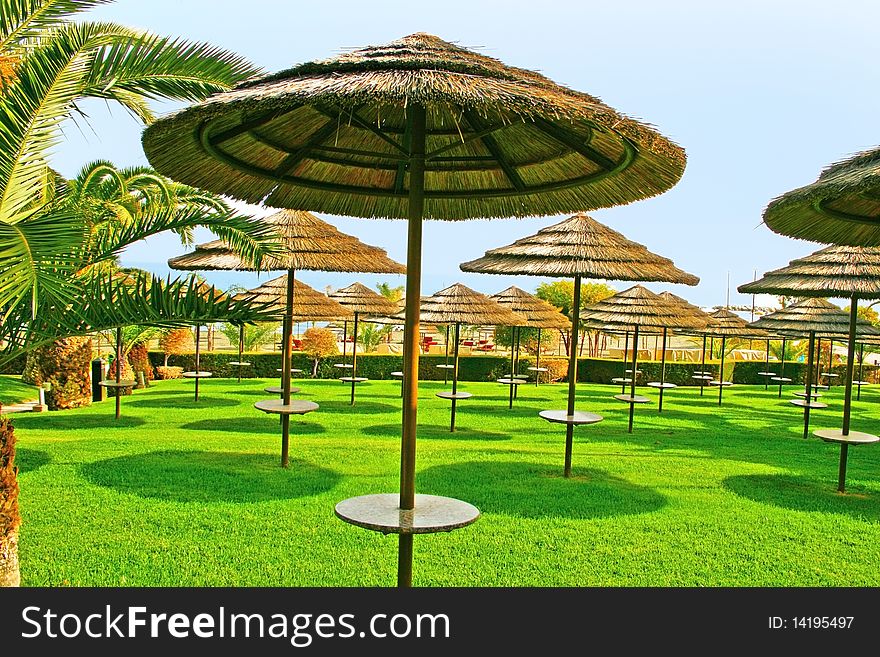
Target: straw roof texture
<point x="308" y="303"/>
<point x="580" y="245"/>
<point x="727" y="324"/>
<point x="687" y="307"/>
<point x="358" y="298"/>
<point x="841" y="207"/>
<point x="332" y="136"/>
<point x="460" y="304"/>
<point x="537" y="312"/>
<point x="307" y="243"/>
<point x="816" y="315"/>
<point x="835" y="271"/>
<point x="638" y="306"/>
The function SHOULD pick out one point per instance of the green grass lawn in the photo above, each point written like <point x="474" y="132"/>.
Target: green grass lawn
<point x="13" y="391"/>
<point x="178" y="493"/>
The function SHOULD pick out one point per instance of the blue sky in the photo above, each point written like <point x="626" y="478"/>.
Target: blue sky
<point x="762" y="96"/>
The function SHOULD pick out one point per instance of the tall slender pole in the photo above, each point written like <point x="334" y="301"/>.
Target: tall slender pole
<point x="818" y="367"/>
<point x="623" y="373"/>
<point x="861" y="364"/>
<point x="446" y="358"/>
<point x="767" y="365"/>
<point x="809" y="390"/>
<point x="354" y="357"/>
<point x="516" y="362"/>
<point x="850" y="362"/>
<point x="538" y="360"/>
<point x="572" y="371"/>
<point x="285" y="368"/>
<point x="344" y="341"/>
<point x="415" y="211"/>
<point x="662" y="371"/>
<point x="512" y="365"/>
<point x="198" y="368"/>
<point x="119" y="369"/>
<point x="454" y="378"/>
<point x="240" y="349"/>
<point x="830" y="354"/>
<point x="781" y="367"/>
<point x="703" y="366"/>
<point x="721" y="369"/>
<point x="632" y="381"/>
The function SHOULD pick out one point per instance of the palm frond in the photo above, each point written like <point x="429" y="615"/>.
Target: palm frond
<point x="27" y="20"/>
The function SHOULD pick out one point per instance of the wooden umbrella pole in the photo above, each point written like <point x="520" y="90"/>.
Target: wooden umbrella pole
<point x="850" y="362"/>
<point x="861" y="363"/>
<point x="662" y="371"/>
<point x="703" y="365"/>
<point x="240" y="349"/>
<point x="285" y="369"/>
<point x="198" y="367"/>
<point x="538" y="360"/>
<point x="572" y="372"/>
<point x="446" y="358"/>
<point x="767" y="364"/>
<point x="830" y="354"/>
<point x="516" y="362"/>
<point x="623" y="373"/>
<point x="512" y="350"/>
<point x="810" y="356"/>
<point x="354" y="357"/>
<point x="781" y="367"/>
<point x="632" y="383"/>
<point x="344" y="341"/>
<point x="119" y="369"/>
<point x="721" y="369"/>
<point x="454" y="379"/>
<point x="415" y="211"/>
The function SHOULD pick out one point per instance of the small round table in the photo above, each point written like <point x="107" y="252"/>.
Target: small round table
<point x="295" y="407"/>
<point x="279" y="390"/>
<point x="381" y="512"/>
<point x="343" y="366"/>
<point x="662" y="386"/>
<point x="197" y="375"/>
<point x="803" y="403"/>
<point x="443" y="366"/>
<point x="702" y="377"/>
<point x="852" y="438"/>
<point x="621" y="379"/>
<point x="293" y="370"/>
<point x="112" y="384"/>
<point x="803" y="393"/>
<point x="239" y="363"/>
<point x="513" y="382"/>
<point x="632" y="399"/>
<point x="399" y="375"/>
<point x="353" y="379"/>
<point x="562" y="417"/>
<point x="781" y="379"/>
<point x="454" y="397"/>
<point x="538" y="372"/>
<point x="713" y="382"/>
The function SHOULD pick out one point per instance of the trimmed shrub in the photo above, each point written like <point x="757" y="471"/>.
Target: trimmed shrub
<point x="140" y="362"/>
<point x="65" y="365"/>
<point x="168" y="371"/>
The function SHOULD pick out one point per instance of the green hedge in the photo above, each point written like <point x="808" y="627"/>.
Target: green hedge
<point x="482" y="367"/>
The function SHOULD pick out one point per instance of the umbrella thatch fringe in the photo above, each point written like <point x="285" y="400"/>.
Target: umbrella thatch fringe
<point x="835" y="271"/>
<point x="580" y="245"/>
<point x="304" y="137"/>
<point x="817" y="315"/>
<point x="841" y="207"/>
<point x="307" y="243"/>
<point x="308" y="303"/>
<point x="726" y="323"/>
<point x="460" y="304"/>
<point x="638" y="306"/>
<point x="537" y="312"/>
<point x="358" y="298"/>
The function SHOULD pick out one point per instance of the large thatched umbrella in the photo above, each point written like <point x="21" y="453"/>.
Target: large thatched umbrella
<point x="306" y="242"/>
<point x="578" y="247"/>
<point x="841" y="207"/>
<point x="418" y="128"/>
<point x="204" y="290"/>
<point x="835" y="271"/>
<point x="538" y="315"/>
<point x="811" y="317"/>
<point x="636" y="307"/>
<point x="361" y="300"/>
<point x="689" y="309"/>
<point x="457" y="305"/>
<point x="725" y="324"/>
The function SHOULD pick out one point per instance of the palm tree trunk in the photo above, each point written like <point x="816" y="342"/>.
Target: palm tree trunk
<point x="9" y="516"/>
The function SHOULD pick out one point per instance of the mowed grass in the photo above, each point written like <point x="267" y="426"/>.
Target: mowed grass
<point x="179" y="493"/>
<point x="13" y="391"/>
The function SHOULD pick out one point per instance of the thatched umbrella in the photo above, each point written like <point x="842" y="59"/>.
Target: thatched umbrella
<point x="811" y="317"/>
<point x="835" y="271"/>
<point x="457" y="305"/>
<point x="637" y="307"/>
<point x="725" y="324"/>
<point x="841" y="207"/>
<point x="690" y="310"/>
<point x="204" y="290"/>
<point x="118" y="383"/>
<point x="578" y="247"/>
<point x="538" y="314"/>
<point x="361" y="300"/>
<point x="306" y="242"/>
<point x="418" y="128"/>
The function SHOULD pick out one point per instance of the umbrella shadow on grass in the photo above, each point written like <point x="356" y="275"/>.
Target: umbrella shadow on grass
<point x="434" y="431"/>
<point x="195" y="476"/>
<point x="78" y="421"/>
<point x="800" y="493"/>
<point x="252" y="425"/>
<point x="28" y="460"/>
<point x="528" y="490"/>
<point x="184" y="401"/>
